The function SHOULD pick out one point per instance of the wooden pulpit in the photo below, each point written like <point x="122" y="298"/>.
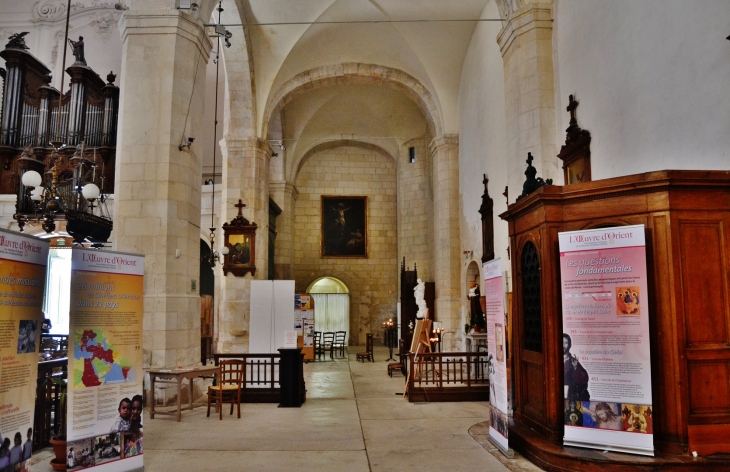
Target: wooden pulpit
<point x="687" y="219"/>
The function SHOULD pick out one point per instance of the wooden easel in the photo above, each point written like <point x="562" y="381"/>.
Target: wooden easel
<point x="420" y="344"/>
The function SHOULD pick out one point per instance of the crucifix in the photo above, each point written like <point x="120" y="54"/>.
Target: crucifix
<point x="240" y="205"/>
<point x="572" y="105"/>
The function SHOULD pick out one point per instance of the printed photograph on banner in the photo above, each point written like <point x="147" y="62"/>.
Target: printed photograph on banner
<point x="627" y="301"/>
<point x="26" y="336"/>
<point x="492" y="381"/>
<point x="499" y="341"/>
<point x="94" y="451"/>
<point x="131" y="444"/>
<point x="575" y="379"/>
<point x="573" y="413"/>
<point x="498" y="421"/>
<point x="637" y="419"/>
<point x="602" y="415"/>
<point x="14" y="453"/>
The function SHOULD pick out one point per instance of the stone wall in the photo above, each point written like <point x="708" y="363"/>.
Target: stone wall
<point x="373" y="282"/>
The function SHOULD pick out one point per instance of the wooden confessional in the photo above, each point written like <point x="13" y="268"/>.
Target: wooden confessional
<point x="687" y="219"/>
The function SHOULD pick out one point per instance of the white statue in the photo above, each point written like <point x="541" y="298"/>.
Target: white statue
<point x="419" y="291"/>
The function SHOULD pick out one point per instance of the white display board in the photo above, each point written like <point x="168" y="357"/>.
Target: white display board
<point x="271" y="316"/>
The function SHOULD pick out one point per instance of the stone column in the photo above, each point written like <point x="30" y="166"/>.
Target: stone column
<point x="446" y="249"/>
<point x="285" y="195"/>
<point x="527" y="51"/>
<point x="157" y="185"/>
<point x="245" y="176"/>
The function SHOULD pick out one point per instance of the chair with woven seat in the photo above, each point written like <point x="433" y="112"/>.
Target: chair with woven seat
<point x="401" y="364"/>
<point x="228" y="385"/>
<point x="339" y="344"/>
<point x="368" y="354"/>
<point x="328" y="340"/>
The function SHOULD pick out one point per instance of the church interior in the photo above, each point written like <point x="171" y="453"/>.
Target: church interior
<point x="353" y="140"/>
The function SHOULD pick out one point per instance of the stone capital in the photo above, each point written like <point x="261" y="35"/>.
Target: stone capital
<point x="530" y="17"/>
<point x="166" y="22"/>
<point x="256" y="144"/>
<point x="285" y="187"/>
<point x="445" y="140"/>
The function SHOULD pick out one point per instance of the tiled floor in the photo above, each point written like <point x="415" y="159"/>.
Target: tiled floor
<point x="352" y="421"/>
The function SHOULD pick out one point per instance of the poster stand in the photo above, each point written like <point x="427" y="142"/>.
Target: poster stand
<point x="509" y="453"/>
<point x="498" y="379"/>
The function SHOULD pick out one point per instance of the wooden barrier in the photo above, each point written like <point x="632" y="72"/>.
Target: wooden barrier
<point x="48" y="401"/>
<point x="261" y="377"/>
<point x="448" y="377"/>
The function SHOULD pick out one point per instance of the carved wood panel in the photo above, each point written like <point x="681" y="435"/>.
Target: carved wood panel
<point x="703" y="289"/>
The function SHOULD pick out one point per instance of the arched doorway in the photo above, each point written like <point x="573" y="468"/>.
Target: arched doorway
<point x="331" y="305"/>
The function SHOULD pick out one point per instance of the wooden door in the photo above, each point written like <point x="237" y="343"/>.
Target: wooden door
<point x="206" y="328"/>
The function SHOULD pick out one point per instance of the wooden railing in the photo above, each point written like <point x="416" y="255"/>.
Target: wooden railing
<point x="48" y="400"/>
<point x="448" y="377"/>
<point x="261" y="377"/>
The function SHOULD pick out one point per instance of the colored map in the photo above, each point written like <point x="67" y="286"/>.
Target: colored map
<point x="101" y="364"/>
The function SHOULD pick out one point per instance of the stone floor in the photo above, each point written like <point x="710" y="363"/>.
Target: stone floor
<point x="353" y="420"/>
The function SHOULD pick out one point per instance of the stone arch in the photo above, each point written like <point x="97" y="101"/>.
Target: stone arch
<point x="297" y="166"/>
<point x="353" y="73"/>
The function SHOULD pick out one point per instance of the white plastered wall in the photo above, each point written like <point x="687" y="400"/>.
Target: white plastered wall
<point x="652" y="79"/>
<point x="482" y="144"/>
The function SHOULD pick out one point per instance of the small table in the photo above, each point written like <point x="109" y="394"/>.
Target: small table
<point x="176" y="376"/>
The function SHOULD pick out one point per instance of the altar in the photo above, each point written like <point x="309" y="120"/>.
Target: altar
<point x="475" y="340"/>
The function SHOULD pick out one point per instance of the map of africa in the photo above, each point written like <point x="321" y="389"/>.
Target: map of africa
<point x="100" y="364"/>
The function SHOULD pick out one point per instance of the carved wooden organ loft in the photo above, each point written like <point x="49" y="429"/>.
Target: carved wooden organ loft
<point x="87" y="127"/>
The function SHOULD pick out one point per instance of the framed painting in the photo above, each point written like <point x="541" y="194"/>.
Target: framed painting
<point x="344" y="226"/>
<point x="240" y="239"/>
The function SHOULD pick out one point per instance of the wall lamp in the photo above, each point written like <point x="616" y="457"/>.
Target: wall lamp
<point x="186" y="5"/>
<point x="186" y="145"/>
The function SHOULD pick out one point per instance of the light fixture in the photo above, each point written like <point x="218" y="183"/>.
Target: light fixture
<point x="214" y="255"/>
<point x="186" y="5"/>
<point x="69" y="194"/>
<point x="186" y="144"/>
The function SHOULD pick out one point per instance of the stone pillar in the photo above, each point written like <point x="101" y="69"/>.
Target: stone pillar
<point x="245" y="176"/>
<point x="157" y="185"/>
<point x="527" y="51"/>
<point x="446" y="249"/>
<point x="285" y="195"/>
<point x="415" y="208"/>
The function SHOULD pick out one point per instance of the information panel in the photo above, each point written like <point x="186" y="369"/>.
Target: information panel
<point x="105" y="364"/>
<point x="606" y="358"/>
<point x="498" y="404"/>
<point x="23" y="262"/>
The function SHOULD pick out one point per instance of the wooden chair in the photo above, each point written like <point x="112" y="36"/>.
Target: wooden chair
<point x="368" y="354"/>
<point x="228" y="388"/>
<point x="339" y="344"/>
<point x="318" y="349"/>
<point x="328" y="340"/>
<point x="401" y="364"/>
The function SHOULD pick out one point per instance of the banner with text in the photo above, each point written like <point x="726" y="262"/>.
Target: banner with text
<point x="498" y="404"/>
<point x="23" y="262"/>
<point x="606" y="359"/>
<point x="105" y="362"/>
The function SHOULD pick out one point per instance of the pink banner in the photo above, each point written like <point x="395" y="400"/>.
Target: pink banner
<point x="498" y="399"/>
<point x="606" y="360"/>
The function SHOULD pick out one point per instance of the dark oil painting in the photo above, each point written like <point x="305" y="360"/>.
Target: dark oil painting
<point x="344" y="226"/>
